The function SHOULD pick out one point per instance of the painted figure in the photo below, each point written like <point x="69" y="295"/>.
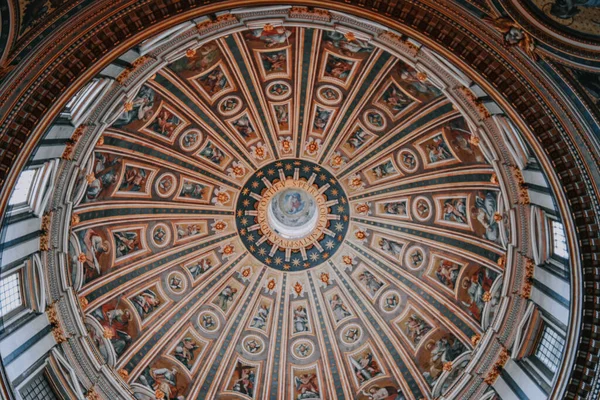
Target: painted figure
<point x="384" y="170"/>
<point x="384" y="393"/>
<point x="165" y="184"/>
<point x="438" y="150"/>
<point x="208" y="322"/>
<point x="307" y="386"/>
<point x="479" y="283"/>
<point x="445" y="349"/>
<point x="275" y="36"/>
<point x="226" y="297"/>
<point x="408" y="160"/>
<point x="282" y="116"/>
<point x="447" y="273"/>
<point x="483" y="212"/>
<point x="395" y="99"/>
<point x="188" y="230"/>
<point x="246" y="382"/>
<point x="134" y="179"/>
<point x="186" y="351"/>
<point x="105" y="174"/>
<point x="165" y="123"/>
<point x="202" y="59"/>
<point x="416" y="328"/>
<point x="321" y="119"/>
<point x="365" y="367"/>
<point x="146" y="303"/>
<point x="345" y="46"/>
<point x="244" y="127"/>
<point x="252" y="346"/>
<point x="126" y="242"/>
<point x="391" y="302"/>
<point x="213" y="153"/>
<point x="115" y="322"/>
<point x="340" y="311"/>
<point x="141" y="110"/>
<point x="395" y="208"/>
<point x="279" y="90"/>
<point x="300" y="320"/>
<point x="370" y="282"/>
<point x="214" y="82"/>
<point x="175" y="283"/>
<point x="274" y="62"/>
<point x="192" y="190"/>
<point x="357" y="139"/>
<point x="259" y="320"/>
<point x="163" y="379"/>
<point x="93" y="247"/>
<point x="391" y="247"/>
<point x="375" y="119"/>
<point x="190" y="139"/>
<point x="455" y="210"/>
<point x="200" y="267"/>
<point x="338" y="68"/>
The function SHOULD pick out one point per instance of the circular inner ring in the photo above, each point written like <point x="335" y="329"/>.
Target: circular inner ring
<point x="292" y="213"/>
<point x="298" y="216"/>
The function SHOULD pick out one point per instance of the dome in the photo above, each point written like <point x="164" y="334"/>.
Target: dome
<point x="305" y="203"/>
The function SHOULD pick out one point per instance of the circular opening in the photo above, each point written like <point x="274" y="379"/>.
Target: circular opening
<point x="292" y="213"/>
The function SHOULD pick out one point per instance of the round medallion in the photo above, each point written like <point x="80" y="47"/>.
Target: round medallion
<point x="408" y="160"/>
<point x="190" y="140"/>
<point x="390" y="301"/>
<point x="351" y="334"/>
<point x="161" y="235"/>
<point x="292" y="215"/>
<point x="329" y="95"/>
<point x="374" y="120"/>
<point x="253" y="345"/>
<point x="422" y="209"/>
<point x="230" y="105"/>
<point x="302" y="348"/>
<point x="177" y="282"/>
<point x="208" y="321"/>
<point x="166" y="184"/>
<point x="415" y="257"/>
<point x="278" y="90"/>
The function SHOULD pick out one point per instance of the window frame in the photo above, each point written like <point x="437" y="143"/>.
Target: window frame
<point x="12" y="314"/>
<point x="539" y="367"/>
<point x="28" y="197"/>
<point x="38" y="195"/>
<point x="553" y="241"/>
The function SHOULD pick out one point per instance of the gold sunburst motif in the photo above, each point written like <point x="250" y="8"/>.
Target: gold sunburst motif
<point x="285" y="144"/>
<point x="350" y="36"/>
<point x="298" y="288"/>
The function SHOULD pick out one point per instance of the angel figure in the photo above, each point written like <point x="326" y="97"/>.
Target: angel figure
<point x="514" y="35"/>
<point x="307" y="386"/>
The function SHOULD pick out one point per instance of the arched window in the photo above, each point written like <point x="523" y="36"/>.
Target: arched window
<point x="560" y="240"/>
<point x="23" y="188"/>
<point x="11" y="294"/>
<point x="549" y="349"/>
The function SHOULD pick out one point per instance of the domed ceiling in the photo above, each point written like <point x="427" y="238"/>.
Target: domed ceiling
<point x="290" y="212"/>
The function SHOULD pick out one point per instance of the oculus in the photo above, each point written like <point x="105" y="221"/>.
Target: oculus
<point x="292" y="215"/>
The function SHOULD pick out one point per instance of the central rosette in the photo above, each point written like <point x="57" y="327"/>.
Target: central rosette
<point x="292" y="210"/>
<point x="292" y="215"/>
